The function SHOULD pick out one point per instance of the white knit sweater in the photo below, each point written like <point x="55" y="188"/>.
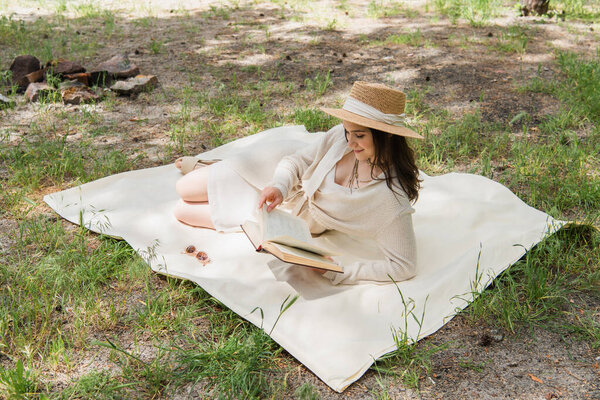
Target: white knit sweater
<point x="373" y="211"/>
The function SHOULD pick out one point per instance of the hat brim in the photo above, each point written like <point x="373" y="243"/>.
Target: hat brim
<point x="369" y="123"/>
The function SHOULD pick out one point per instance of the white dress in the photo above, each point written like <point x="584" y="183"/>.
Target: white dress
<point x="232" y="199"/>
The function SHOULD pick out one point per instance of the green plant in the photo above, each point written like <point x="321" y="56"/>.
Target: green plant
<point x="218" y="12"/>
<point x="18" y="383"/>
<point x="414" y="39"/>
<point x="583" y="9"/>
<point x="319" y="84"/>
<point x="470" y="364"/>
<point x="513" y="39"/>
<point x="6" y="80"/>
<point x="306" y="391"/>
<point x="52" y="159"/>
<point x="313" y="119"/>
<point x="98" y="384"/>
<point x="476" y="12"/>
<point x="383" y="8"/>
<point x="235" y="364"/>
<point x="410" y="360"/>
<point x="156" y="46"/>
<point x="332" y="25"/>
<point x="535" y="290"/>
<point x="579" y="88"/>
<point x="88" y="9"/>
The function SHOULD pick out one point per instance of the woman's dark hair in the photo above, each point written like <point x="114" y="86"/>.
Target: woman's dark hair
<point x="395" y="158"/>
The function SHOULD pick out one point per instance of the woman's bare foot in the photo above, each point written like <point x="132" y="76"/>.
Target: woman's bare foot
<point x="187" y="164"/>
<point x="178" y="163"/>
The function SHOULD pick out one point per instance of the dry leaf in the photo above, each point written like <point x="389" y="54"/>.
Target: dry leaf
<point x="535" y="378"/>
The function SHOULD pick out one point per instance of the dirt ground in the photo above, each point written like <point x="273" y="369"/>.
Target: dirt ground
<point x="460" y="71"/>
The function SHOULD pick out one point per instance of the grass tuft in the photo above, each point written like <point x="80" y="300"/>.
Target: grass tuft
<point x="235" y="365"/>
<point x="313" y="119"/>
<point x="540" y="289"/>
<point x="53" y="161"/>
<point x="18" y="382"/>
<point x="476" y="12"/>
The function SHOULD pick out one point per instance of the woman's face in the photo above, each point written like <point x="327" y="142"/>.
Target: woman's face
<point x="360" y="140"/>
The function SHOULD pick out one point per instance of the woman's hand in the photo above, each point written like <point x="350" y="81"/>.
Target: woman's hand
<point x="272" y="196"/>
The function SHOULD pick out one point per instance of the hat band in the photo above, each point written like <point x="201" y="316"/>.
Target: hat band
<point x="365" y="110"/>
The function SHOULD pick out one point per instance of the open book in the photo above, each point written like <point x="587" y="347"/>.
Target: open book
<point x="287" y="237"/>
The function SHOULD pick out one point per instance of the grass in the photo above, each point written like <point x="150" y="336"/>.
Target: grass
<point x="314" y="120"/>
<point x="513" y="39"/>
<point x="547" y="285"/>
<point x="39" y="37"/>
<point x="578" y="9"/>
<point x="413" y="39"/>
<point x="319" y="84"/>
<point x="53" y="161"/>
<point x="382" y="9"/>
<point x="476" y="12"/>
<point x="67" y="294"/>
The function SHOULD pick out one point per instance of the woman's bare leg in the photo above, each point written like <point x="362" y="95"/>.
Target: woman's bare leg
<point x="194" y="214"/>
<point x="193" y="208"/>
<point x="193" y="187"/>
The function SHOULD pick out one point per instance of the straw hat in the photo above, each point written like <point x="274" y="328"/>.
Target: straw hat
<point x="375" y="106"/>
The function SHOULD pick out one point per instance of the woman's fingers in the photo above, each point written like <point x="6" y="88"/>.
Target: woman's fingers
<point x="273" y="204"/>
<point x="261" y="200"/>
<point x="272" y="196"/>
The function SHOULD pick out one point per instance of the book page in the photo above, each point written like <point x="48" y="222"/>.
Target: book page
<point x="252" y="230"/>
<point x="293" y="242"/>
<point x="279" y="223"/>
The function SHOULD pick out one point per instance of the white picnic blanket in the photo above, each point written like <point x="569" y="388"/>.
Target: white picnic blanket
<point x="468" y="230"/>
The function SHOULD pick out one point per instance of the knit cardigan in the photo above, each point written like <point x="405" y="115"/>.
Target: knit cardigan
<point x="373" y="211"/>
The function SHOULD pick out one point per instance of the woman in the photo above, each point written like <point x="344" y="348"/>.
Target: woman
<point x="359" y="179"/>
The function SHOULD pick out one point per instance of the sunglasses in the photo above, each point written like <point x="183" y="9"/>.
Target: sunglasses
<point x="200" y="255"/>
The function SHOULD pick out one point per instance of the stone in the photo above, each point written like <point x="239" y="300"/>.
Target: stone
<point x="38" y="90"/>
<point x="83" y="77"/>
<point x="6" y="102"/>
<point x="137" y="84"/>
<point x="535" y="7"/>
<point x="100" y="78"/>
<point x="70" y="84"/>
<point x="119" y="67"/>
<point x="36" y="76"/>
<point x="20" y="67"/>
<point x="61" y="67"/>
<point x="78" y="95"/>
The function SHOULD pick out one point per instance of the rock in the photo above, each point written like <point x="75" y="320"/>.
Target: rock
<point x="119" y="67"/>
<point x="134" y="85"/>
<point x="20" y="67"/>
<point x="69" y="84"/>
<point x="36" y="76"/>
<point x="100" y="78"/>
<point x="78" y="95"/>
<point x="37" y="91"/>
<point x="491" y="336"/>
<point x="537" y="7"/>
<point x="82" y="77"/>
<point x="6" y="102"/>
<point x="497" y="335"/>
<point x="63" y="67"/>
